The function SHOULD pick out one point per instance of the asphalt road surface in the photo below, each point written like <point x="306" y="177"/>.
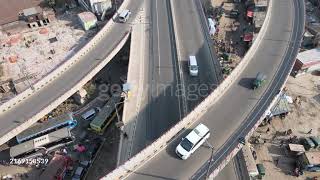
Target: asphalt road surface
<point x="193" y="39"/>
<point x="160" y="107"/>
<point x="240" y="107"/>
<point x="166" y="105"/>
<point x="35" y="103"/>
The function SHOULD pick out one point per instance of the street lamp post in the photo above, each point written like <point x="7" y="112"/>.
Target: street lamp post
<point x="115" y="105"/>
<point x="210" y="162"/>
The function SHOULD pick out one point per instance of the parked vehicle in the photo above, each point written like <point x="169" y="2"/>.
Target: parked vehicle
<point x="124" y="16"/>
<point x="90" y="114"/>
<point x="259" y="80"/>
<point x="261" y="169"/>
<point x="308" y="143"/>
<point x="78" y="173"/>
<point x="49" y="142"/>
<point x="193" y="66"/>
<point x="316" y="141"/>
<point x="192" y="141"/>
<point x="65" y="120"/>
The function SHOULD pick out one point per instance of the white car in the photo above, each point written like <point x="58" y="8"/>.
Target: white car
<point x="124" y="15"/>
<point x="192" y="141"/>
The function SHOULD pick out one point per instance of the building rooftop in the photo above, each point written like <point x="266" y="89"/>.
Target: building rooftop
<point x="296" y="148"/>
<point x="309" y="56"/>
<point x="30" y="11"/>
<point x="313" y="157"/>
<point x="10" y="9"/>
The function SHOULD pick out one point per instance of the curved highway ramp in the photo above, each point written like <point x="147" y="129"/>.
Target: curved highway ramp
<point x="35" y="106"/>
<point x="235" y="113"/>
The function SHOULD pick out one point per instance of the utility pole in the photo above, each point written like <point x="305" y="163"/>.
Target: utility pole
<point x="210" y="161"/>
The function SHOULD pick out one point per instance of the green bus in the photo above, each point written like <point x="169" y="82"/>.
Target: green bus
<point x="106" y="115"/>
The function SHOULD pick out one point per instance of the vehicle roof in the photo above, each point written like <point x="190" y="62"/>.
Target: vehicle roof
<point x="79" y="170"/>
<point x="261" y="76"/>
<point x="124" y="13"/>
<point x="105" y="111"/>
<point x="193" y="60"/>
<point x="31" y="144"/>
<point x="197" y="133"/>
<point x="40" y="127"/>
<point x="88" y="113"/>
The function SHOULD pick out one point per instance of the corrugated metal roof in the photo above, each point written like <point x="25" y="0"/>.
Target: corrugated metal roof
<point x="9" y="9"/>
<point x="309" y="56"/>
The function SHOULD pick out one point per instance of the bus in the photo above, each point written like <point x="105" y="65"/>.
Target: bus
<point x="65" y="120"/>
<point x="47" y="143"/>
<point x="106" y="115"/>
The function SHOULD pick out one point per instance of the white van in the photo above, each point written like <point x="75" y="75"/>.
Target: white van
<point x="192" y="141"/>
<point x="212" y="27"/>
<point x="124" y="16"/>
<point x="193" y="66"/>
<point x="90" y="114"/>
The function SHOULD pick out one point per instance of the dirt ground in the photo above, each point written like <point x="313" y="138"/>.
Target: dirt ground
<point x="228" y="37"/>
<point x="303" y="118"/>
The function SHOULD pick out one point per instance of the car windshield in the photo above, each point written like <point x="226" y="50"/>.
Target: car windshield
<point x="186" y="144"/>
<point x="193" y="68"/>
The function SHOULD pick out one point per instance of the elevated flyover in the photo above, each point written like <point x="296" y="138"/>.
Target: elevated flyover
<point x="236" y="110"/>
<point x="154" y="105"/>
<point x="22" y="111"/>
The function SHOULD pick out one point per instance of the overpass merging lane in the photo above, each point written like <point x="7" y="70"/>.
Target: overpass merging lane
<point x="67" y="80"/>
<point x="167" y="70"/>
<point x="236" y="112"/>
